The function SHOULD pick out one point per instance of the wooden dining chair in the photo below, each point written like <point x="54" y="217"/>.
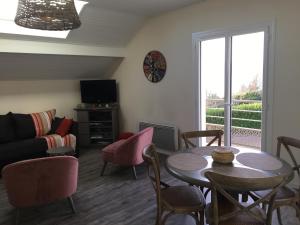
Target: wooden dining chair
<point x="229" y="211"/>
<point x="286" y="196"/>
<point x="216" y="134"/>
<point x="172" y="199"/>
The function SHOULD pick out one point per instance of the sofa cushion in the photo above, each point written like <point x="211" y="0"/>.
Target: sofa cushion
<point x="24" y="126"/>
<point x="23" y="149"/>
<point x="7" y="132"/>
<point x="55" y="124"/>
<point x="42" y="121"/>
<point x="64" y="127"/>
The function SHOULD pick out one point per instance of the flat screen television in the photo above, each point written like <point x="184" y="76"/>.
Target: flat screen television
<point x="98" y="91"/>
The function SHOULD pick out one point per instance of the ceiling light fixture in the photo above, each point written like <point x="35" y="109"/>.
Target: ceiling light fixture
<point x="47" y="14"/>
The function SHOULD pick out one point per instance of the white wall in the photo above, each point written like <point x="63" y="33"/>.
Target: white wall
<point x="173" y="99"/>
<point x="38" y="96"/>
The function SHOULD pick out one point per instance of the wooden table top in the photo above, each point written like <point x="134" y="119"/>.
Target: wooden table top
<point x="190" y="165"/>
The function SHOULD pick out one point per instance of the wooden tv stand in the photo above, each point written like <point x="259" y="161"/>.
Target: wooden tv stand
<point x="97" y="126"/>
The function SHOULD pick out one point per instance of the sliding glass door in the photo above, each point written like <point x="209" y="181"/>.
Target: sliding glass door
<point x="231" y="86"/>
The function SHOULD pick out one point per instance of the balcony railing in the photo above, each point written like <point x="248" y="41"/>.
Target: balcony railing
<point x="246" y="120"/>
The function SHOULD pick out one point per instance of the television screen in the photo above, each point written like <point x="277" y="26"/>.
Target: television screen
<point x="98" y="91"/>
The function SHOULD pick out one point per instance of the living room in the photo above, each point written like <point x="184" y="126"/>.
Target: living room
<point x="39" y="74"/>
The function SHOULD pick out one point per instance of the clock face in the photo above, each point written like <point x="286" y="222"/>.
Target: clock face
<point x="155" y="66"/>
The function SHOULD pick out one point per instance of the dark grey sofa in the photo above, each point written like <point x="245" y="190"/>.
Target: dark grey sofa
<point x="18" y="141"/>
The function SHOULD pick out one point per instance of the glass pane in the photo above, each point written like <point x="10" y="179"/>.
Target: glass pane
<point x="212" y="84"/>
<point x="247" y="84"/>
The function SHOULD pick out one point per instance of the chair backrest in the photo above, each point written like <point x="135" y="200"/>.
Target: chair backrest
<point x="216" y="134"/>
<point x="130" y="152"/>
<point x="152" y="160"/>
<point x="40" y="181"/>
<point x="288" y="142"/>
<point x="223" y="184"/>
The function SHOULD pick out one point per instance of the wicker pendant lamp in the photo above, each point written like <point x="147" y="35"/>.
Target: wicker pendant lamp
<point x="47" y="14"/>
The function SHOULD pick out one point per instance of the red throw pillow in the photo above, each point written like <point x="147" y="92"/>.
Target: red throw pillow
<point x="64" y="127"/>
<point x="125" y="135"/>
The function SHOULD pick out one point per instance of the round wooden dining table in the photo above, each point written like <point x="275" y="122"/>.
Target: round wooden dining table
<point x="190" y="165"/>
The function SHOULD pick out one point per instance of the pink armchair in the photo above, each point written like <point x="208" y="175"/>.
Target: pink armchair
<point x="40" y="181"/>
<point x="127" y="152"/>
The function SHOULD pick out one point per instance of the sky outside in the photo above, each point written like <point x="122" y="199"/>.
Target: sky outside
<point x="247" y="62"/>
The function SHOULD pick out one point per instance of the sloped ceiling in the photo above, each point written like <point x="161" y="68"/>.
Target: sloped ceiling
<point x="105" y="23"/>
<point x="142" y="7"/>
<point x="112" y="22"/>
<point x="55" y="67"/>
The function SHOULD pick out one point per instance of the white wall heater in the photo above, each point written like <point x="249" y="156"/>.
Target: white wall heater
<point x="165" y="137"/>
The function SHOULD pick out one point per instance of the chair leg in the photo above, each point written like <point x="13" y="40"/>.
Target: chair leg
<point x="198" y="218"/>
<point x="70" y="199"/>
<point x="264" y="206"/>
<point x="158" y="216"/>
<point x="17" y="216"/>
<point x="103" y="168"/>
<point x="279" y="216"/>
<point x="195" y="216"/>
<point x="202" y="217"/>
<point x="296" y="206"/>
<point x="134" y="172"/>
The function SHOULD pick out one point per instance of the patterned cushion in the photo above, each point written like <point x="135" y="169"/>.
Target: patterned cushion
<point x="42" y="121"/>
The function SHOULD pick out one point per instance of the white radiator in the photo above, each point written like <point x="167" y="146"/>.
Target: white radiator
<point x="165" y="137"/>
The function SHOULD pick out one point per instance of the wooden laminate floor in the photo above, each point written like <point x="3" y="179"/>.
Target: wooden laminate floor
<point x="115" y="199"/>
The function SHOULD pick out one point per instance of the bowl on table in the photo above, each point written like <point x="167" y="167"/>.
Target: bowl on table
<point x="223" y="155"/>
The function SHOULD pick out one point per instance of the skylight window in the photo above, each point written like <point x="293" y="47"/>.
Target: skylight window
<point x="8" y="9"/>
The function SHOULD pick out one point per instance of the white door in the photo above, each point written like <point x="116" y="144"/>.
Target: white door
<point x="232" y="73"/>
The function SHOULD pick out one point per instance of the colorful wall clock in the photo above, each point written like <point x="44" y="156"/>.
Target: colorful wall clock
<point x="155" y="66"/>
